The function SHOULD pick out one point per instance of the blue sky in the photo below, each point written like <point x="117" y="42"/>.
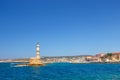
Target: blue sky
<point x="63" y="27"/>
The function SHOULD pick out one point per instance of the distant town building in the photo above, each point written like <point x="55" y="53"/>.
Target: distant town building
<point x="116" y="56"/>
<point x="100" y="55"/>
<point x="111" y="57"/>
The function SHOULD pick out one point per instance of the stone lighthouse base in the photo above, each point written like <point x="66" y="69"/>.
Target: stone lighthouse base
<point x="35" y="62"/>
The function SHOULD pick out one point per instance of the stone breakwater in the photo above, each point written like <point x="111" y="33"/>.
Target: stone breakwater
<point x="35" y="61"/>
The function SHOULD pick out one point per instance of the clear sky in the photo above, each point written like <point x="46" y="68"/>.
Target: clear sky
<point x="63" y="27"/>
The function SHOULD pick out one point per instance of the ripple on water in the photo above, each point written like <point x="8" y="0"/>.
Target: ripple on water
<point x="61" y="71"/>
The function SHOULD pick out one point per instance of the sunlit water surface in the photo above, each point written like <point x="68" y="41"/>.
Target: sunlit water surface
<point x="61" y="71"/>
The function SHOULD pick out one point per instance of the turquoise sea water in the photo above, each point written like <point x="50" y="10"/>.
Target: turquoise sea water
<point x="61" y="71"/>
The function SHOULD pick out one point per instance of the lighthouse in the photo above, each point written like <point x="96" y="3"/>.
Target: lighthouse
<point x="38" y="51"/>
<point x="36" y="61"/>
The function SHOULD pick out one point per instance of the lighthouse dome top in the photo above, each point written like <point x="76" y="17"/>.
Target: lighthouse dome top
<point x="37" y="44"/>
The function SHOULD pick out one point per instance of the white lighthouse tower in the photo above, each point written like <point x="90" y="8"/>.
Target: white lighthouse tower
<point x="36" y="60"/>
<point x="38" y="51"/>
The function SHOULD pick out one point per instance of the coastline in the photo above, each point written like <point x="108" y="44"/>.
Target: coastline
<point x="66" y="59"/>
<point x="57" y="62"/>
